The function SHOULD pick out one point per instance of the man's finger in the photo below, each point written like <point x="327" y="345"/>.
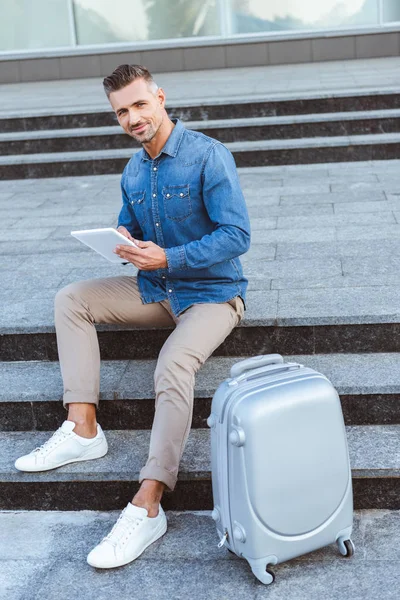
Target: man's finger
<point x="130" y="259"/>
<point x="141" y="244"/>
<point x="124" y="232"/>
<point x="128" y="249"/>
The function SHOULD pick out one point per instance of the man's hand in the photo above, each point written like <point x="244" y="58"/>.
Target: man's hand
<point x="148" y="257"/>
<point x="125" y="232"/>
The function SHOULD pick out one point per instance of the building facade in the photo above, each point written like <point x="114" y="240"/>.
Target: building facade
<point x="188" y="34"/>
<point x="61" y="24"/>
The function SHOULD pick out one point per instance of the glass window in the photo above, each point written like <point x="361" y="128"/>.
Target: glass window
<point x="28" y="24"/>
<point x="391" y="11"/>
<point x="250" y="16"/>
<point x="102" y="21"/>
<point x="40" y="24"/>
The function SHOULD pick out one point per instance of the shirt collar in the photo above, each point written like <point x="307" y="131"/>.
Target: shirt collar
<point x="172" y="144"/>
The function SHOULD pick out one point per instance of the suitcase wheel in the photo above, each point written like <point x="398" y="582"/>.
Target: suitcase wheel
<point x="262" y="568"/>
<point x="271" y="572"/>
<point x="267" y="568"/>
<point x="346" y="547"/>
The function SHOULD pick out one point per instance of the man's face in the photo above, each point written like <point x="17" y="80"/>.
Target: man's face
<point x="139" y="111"/>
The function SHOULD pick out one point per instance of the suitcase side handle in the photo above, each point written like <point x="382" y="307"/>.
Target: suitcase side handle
<point x="255" y="362"/>
<point x="268" y="370"/>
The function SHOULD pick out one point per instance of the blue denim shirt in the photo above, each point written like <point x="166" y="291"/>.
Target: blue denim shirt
<point x="188" y="201"/>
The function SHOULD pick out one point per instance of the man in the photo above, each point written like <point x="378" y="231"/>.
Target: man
<point x="183" y="206"/>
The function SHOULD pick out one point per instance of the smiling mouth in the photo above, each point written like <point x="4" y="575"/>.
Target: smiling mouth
<point x="138" y="129"/>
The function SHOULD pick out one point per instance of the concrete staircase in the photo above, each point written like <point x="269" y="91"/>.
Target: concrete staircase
<point x="324" y="291"/>
<point x="321" y="292"/>
<point x="30" y="407"/>
<point x="307" y="130"/>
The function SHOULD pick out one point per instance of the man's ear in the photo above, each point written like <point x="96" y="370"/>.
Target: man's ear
<point x="161" y="96"/>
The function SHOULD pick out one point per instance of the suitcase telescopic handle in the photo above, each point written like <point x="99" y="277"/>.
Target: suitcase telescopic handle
<point x="267" y="370"/>
<point x="255" y="362"/>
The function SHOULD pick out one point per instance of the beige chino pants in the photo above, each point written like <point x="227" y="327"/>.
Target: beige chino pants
<point x="198" y="331"/>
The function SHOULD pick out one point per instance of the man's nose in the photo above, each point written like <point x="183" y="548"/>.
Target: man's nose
<point x="133" y="118"/>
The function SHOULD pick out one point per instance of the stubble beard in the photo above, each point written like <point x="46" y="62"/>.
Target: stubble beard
<point x="147" y="137"/>
<point x="150" y="134"/>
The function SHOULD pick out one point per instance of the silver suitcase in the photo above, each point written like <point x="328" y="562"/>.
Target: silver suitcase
<point x="281" y="475"/>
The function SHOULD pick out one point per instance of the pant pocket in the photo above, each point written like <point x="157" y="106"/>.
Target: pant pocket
<point x="238" y="306"/>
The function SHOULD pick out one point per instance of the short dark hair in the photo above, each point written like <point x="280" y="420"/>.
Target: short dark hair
<point x="124" y="75"/>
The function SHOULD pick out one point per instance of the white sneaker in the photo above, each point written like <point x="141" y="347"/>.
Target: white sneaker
<point x="62" y="448"/>
<point x="129" y="537"/>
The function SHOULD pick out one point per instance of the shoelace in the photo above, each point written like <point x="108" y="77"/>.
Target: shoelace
<point x="57" y="437"/>
<point x="122" y="529"/>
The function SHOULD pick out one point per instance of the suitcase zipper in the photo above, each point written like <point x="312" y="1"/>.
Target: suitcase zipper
<point x="223" y="539"/>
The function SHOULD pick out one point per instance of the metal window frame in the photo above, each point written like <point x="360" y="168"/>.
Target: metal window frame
<point x="72" y="23"/>
<point x="380" y="12"/>
<point x="382" y="22"/>
<point x="225" y="18"/>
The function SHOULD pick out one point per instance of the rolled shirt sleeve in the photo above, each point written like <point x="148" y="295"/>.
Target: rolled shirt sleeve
<point x="226" y="208"/>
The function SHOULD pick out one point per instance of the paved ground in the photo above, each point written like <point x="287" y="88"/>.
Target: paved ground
<point x="325" y="78"/>
<point x="325" y="243"/>
<point x="43" y="557"/>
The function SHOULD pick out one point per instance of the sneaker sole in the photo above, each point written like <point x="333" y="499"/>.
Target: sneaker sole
<point x="157" y="534"/>
<point x="66" y="462"/>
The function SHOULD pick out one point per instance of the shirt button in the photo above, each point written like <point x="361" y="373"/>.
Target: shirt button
<point x="168" y="195"/>
<point x="155" y="169"/>
<point x="157" y="224"/>
<point x="170" y="291"/>
<point x="154" y="195"/>
<point x="181" y="195"/>
<point x="162" y="276"/>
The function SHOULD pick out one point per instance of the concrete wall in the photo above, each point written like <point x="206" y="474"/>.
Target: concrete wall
<point x="79" y="63"/>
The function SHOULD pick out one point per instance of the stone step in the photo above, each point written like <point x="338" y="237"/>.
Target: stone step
<point x="247" y="154"/>
<point x="203" y="110"/>
<point x="105" y="483"/>
<point x="46" y="551"/>
<point x="225" y="130"/>
<point x="325" y="327"/>
<point x="323" y="264"/>
<point x="31" y="392"/>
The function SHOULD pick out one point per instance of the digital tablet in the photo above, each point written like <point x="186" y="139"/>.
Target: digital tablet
<point x="104" y="242"/>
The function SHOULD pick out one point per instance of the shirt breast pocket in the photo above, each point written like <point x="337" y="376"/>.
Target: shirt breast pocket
<point x="137" y="201"/>
<point x="177" y="203"/>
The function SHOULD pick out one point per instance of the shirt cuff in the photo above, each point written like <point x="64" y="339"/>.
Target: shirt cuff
<point x="176" y="258"/>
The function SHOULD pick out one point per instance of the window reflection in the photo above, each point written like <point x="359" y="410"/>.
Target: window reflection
<point x="102" y="21"/>
<point x="251" y="16"/>
<point x="40" y="24"/>
<point x="391" y="11"/>
<point x="28" y="25"/>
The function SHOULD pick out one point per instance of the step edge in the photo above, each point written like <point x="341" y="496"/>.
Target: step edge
<point x="312" y="118"/>
<point x="216" y="101"/>
<point x="243" y="147"/>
